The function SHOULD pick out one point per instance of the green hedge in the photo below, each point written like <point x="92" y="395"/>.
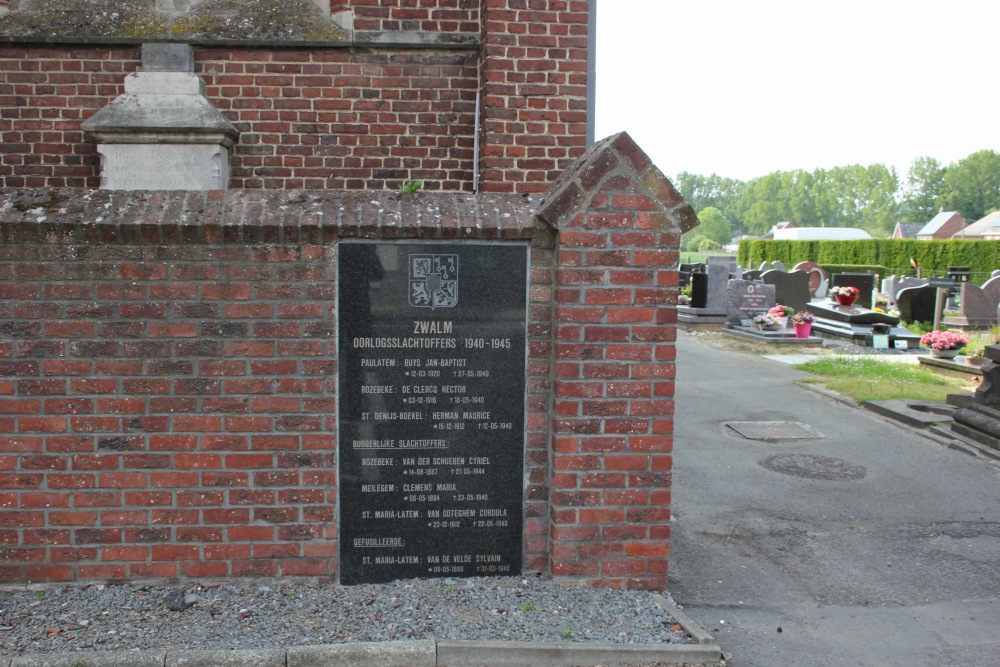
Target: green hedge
<point x="855" y="268"/>
<point x="933" y="257"/>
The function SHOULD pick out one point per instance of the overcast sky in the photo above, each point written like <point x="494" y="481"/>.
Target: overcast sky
<point x="745" y="88"/>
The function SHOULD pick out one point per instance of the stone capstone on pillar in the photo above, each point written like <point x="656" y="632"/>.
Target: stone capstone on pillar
<point x="163" y="133"/>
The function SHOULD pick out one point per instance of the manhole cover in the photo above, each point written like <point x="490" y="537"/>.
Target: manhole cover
<point x="811" y="466"/>
<point x="774" y="430"/>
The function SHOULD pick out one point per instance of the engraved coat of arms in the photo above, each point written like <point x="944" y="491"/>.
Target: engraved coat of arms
<point x="434" y="281"/>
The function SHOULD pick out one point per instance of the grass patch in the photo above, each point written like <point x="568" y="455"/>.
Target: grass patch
<point x="701" y="257"/>
<point x="864" y="379"/>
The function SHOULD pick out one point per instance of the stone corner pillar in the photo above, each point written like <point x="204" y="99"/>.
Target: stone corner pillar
<point x="163" y="133"/>
<point x="619" y="222"/>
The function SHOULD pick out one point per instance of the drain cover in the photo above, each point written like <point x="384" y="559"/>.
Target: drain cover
<point x="774" y="430"/>
<point x="813" y="467"/>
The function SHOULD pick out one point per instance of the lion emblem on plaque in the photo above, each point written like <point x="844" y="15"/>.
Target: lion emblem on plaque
<point x="434" y="281"/>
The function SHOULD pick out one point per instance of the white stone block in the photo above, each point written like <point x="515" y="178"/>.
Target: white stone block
<point x="164" y="166"/>
<point x="164" y="83"/>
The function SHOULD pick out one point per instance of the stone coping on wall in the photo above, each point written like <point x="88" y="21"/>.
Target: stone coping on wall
<point x="260" y="23"/>
<point x="261" y="216"/>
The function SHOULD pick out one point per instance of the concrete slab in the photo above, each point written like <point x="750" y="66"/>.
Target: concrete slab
<point x="421" y="653"/>
<point x="243" y="658"/>
<point x="515" y="654"/>
<point x="92" y="659"/>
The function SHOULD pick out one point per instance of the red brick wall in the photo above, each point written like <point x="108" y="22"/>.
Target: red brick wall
<point x="534" y="73"/>
<point x="167" y="376"/>
<point x="167" y="410"/>
<point x="339" y="118"/>
<point x="615" y="296"/>
<point x="324" y="119"/>
<point x="167" y="371"/>
<point x="448" y="16"/>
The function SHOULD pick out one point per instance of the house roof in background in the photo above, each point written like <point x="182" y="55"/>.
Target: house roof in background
<point x="937" y="222"/>
<point x="981" y="226"/>
<point x="908" y="230"/>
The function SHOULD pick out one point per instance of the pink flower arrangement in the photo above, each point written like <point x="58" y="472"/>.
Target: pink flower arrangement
<point x="781" y="311"/>
<point x="944" y="340"/>
<point x="845" y="290"/>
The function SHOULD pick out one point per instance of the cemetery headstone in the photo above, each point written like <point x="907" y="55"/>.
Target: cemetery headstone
<point x="865" y="282"/>
<point x="685" y="271"/>
<point x="916" y="304"/>
<point x="778" y="265"/>
<point x="960" y="274"/>
<point x="718" y="278"/>
<point x="817" y="277"/>
<point x="978" y="423"/>
<point x="791" y="288"/>
<point x="979" y="304"/>
<point x="746" y="300"/>
<point x="764" y="266"/>
<point x="726" y="260"/>
<point x="699" y="290"/>
<point x="893" y="284"/>
<point x="431" y="409"/>
<point x="751" y="275"/>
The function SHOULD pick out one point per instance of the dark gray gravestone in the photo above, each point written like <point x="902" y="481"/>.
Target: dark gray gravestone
<point x="916" y="304"/>
<point x="718" y="279"/>
<point x="893" y="284"/>
<point x="699" y="290"/>
<point x="817" y="277"/>
<point x="746" y="300"/>
<point x="751" y="275"/>
<point x="790" y="289"/>
<point x="685" y="272"/>
<point x="863" y="281"/>
<point x="431" y="403"/>
<point x="726" y="260"/>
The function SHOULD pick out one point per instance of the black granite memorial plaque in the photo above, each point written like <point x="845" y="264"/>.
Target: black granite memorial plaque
<point x="431" y="409"/>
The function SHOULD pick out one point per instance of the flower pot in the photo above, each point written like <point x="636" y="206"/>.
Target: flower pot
<point x="846" y="299"/>
<point x="803" y="329"/>
<point x="782" y="322"/>
<point x="944" y="354"/>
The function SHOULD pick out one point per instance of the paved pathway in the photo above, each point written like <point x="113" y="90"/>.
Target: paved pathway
<point x="824" y="566"/>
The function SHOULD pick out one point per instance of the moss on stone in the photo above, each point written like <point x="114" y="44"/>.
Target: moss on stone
<point x="270" y="20"/>
<point x="212" y="20"/>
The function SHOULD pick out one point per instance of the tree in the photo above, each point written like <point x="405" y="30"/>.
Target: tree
<point x="715" y="226"/>
<point x="972" y="186"/>
<point x="924" y="186"/>
<point x="716" y="191"/>
<point x="761" y="204"/>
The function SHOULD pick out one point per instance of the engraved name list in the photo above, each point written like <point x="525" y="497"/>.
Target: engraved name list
<point x="431" y="409"/>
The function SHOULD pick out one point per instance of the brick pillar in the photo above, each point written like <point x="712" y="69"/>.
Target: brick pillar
<point x="619" y="222"/>
<point x="533" y="75"/>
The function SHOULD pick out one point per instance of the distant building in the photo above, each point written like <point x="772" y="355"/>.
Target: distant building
<point x="820" y="234"/>
<point x="986" y="228"/>
<point x="944" y="225"/>
<point x="907" y="230"/>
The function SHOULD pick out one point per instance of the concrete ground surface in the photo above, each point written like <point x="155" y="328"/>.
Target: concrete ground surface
<point x="870" y="545"/>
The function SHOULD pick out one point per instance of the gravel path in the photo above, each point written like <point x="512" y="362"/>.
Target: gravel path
<point x="198" y="617"/>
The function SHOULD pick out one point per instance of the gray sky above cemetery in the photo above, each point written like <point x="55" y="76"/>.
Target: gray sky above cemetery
<point x="746" y="88"/>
